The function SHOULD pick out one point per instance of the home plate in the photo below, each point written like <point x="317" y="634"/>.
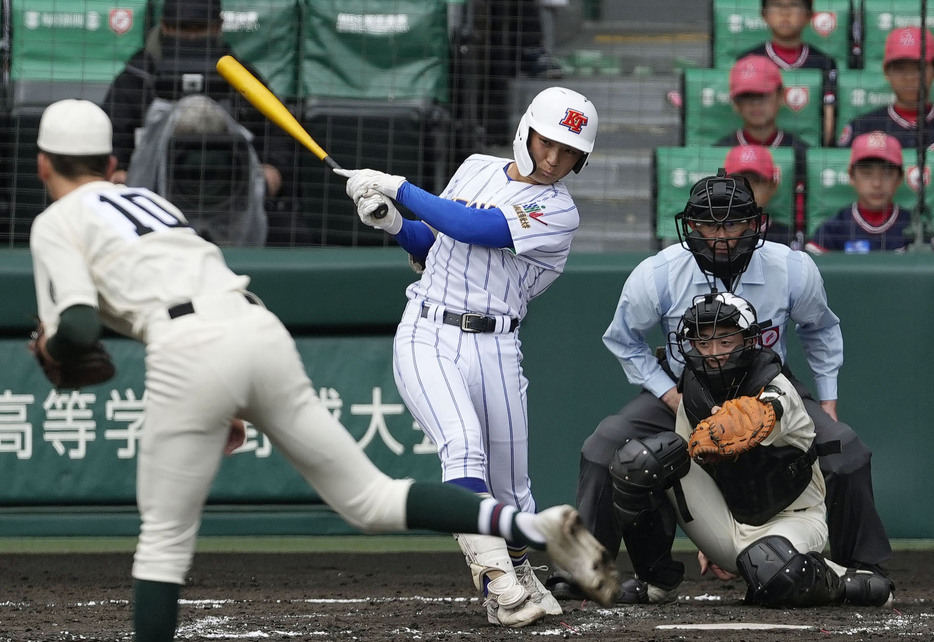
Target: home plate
<point x="733" y="626"/>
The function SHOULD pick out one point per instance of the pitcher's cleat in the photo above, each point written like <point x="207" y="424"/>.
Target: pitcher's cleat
<point x="575" y="550"/>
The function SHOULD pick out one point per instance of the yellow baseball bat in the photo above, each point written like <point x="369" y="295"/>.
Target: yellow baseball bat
<point x="272" y="108"/>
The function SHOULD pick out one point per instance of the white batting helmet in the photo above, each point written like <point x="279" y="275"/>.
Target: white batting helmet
<point x="561" y="115"/>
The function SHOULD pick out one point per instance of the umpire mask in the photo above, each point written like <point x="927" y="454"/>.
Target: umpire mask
<point x="722" y="225"/>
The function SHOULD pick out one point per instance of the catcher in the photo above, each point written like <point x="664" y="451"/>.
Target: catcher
<point x="739" y="473"/>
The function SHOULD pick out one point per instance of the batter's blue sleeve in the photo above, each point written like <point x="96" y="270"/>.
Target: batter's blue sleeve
<point x="415" y="238"/>
<point x="486" y="227"/>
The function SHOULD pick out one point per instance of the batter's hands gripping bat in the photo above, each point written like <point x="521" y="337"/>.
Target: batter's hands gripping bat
<point x="273" y="109"/>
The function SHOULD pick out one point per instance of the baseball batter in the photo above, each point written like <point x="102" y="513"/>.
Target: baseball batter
<point x="497" y="236"/>
<point x="740" y="471"/>
<point x="125" y="258"/>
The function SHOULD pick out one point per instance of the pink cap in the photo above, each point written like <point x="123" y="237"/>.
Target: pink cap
<point x="905" y="44"/>
<point x="876" y="145"/>
<point x="754" y="75"/>
<point x="751" y="158"/>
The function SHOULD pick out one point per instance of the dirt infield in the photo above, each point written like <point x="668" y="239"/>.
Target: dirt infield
<point x="405" y="596"/>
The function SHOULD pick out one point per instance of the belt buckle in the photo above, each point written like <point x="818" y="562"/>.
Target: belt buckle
<point x="466" y="319"/>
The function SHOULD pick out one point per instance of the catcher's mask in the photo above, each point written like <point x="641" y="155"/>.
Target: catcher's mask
<point x="716" y="204"/>
<point x="726" y="326"/>
<point x="561" y="115"/>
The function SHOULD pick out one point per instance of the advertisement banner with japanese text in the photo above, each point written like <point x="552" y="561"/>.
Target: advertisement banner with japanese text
<point x="79" y="447"/>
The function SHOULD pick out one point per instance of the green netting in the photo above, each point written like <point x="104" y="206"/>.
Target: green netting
<point x="74" y="40"/>
<point x="829" y="184"/>
<point x="879" y="18"/>
<point x="738" y="26"/>
<point x="678" y="168"/>
<point x="264" y="34"/>
<point x="375" y="49"/>
<point x="860" y="92"/>
<point x="709" y="116"/>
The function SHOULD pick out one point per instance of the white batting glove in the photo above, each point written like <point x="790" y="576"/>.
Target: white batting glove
<point x="391" y="223"/>
<point x="361" y="180"/>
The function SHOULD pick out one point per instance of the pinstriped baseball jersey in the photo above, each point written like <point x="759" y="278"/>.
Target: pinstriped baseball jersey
<point x="468" y="278"/>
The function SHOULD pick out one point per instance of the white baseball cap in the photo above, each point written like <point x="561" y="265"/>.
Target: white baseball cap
<point x="75" y="128"/>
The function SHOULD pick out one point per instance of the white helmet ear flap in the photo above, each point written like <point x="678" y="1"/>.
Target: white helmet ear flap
<point x="520" y="148"/>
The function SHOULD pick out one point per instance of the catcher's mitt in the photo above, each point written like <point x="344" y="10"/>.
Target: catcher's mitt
<point x="740" y="425"/>
<point x="88" y="369"/>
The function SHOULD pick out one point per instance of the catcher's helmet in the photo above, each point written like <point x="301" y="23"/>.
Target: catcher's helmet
<point x="561" y="115"/>
<point x="712" y="317"/>
<point x="716" y="203"/>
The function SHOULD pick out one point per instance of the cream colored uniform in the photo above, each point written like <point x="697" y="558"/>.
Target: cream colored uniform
<point x="130" y="254"/>
<point x="713" y="528"/>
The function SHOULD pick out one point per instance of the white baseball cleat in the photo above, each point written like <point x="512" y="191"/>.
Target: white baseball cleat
<point x="575" y="550"/>
<point x="508" y="603"/>
<point x="536" y="590"/>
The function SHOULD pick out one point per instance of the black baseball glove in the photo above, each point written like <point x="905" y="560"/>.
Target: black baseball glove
<point x="88" y="369"/>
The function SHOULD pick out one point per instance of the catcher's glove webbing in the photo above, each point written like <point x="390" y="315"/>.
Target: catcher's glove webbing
<point x="738" y="426"/>
<point x="87" y="369"/>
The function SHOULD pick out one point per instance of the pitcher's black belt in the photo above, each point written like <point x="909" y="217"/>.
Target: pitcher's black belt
<point x="188" y="307"/>
<point x="470" y="321"/>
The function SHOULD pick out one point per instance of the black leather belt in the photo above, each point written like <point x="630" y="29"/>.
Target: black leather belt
<point x="187" y="307"/>
<point x="470" y="321"/>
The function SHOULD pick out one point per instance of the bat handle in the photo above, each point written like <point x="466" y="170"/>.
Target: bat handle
<point x="379" y="212"/>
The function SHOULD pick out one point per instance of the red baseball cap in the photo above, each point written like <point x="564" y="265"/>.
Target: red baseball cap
<point x="876" y="145"/>
<point x="754" y="75"/>
<point x="751" y="158"/>
<point x="905" y="44"/>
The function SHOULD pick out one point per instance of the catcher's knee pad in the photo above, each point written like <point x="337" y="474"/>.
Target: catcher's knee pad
<point x="777" y="575"/>
<point x="642" y="469"/>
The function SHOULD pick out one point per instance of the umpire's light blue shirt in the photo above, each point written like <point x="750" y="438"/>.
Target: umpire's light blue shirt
<point x="780" y="283"/>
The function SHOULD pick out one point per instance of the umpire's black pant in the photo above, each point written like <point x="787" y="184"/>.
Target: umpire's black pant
<point x="857" y="536"/>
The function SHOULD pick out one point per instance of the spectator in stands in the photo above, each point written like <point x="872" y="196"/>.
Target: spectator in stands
<point x="188" y="39"/>
<point x="901" y="65"/>
<point x="874" y="221"/>
<point x="757" y="93"/>
<point x="755" y="164"/>
<point x="787" y="20"/>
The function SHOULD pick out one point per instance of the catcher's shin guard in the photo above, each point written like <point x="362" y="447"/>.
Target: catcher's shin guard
<point x="777" y="575"/>
<point x="642" y="469"/>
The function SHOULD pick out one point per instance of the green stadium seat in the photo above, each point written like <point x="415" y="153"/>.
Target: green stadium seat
<point x="879" y="18"/>
<point x="708" y="114"/>
<point x="69" y="49"/>
<point x="360" y="49"/>
<point x="265" y="34"/>
<point x="860" y="92"/>
<point x="737" y="26"/>
<point x="676" y="169"/>
<point x="829" y="188"/>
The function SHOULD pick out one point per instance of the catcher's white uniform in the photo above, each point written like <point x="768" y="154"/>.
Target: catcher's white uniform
<point x="715" y="530"/>
<point x="213" y="352"/>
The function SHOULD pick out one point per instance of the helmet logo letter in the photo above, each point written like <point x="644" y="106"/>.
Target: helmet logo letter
<point x="574" y="120"/>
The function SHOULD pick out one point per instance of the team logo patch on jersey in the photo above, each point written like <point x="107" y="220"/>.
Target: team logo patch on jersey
<point x="526" y="212"/>
<point x="769" y="337"/>
<point x="574" y="120"/>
